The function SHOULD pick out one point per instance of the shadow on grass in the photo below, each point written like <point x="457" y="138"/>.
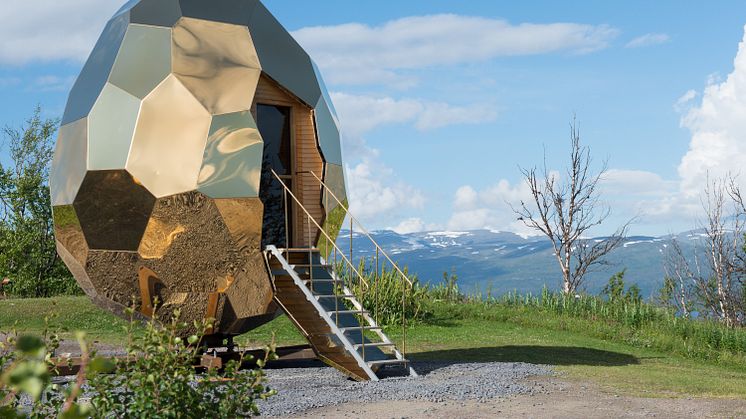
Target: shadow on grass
<point x="549" y="355"/>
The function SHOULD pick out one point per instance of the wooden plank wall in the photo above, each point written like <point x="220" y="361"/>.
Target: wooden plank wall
<point x="306" y="156"/>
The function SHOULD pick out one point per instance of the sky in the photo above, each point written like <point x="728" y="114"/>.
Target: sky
<point x="442" y="102"/>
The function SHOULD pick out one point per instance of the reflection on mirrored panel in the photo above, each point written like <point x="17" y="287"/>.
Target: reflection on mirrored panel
<point x="328" y="131"/>
<point x="68" y="232"/>
<point x="237" y="12"/>
<point x="113" y="210"/>
<point x="324" y="91"/>
<point x="77" y="269"/>
<point x="156" y="12"/>
<point x="243" y="217"/>
<point x="69" y="163"/>
<point x="170" y="137"/>
<point x="334" y="179"/>
<point x="251" y="293"/>
<point x="233" y="158"/>
<point x="126" y="8"/>
<point x="92" y="78"/>
<point x="114" y="275"/>
<point x="332" y="226"/>
<point x="282" y="58"/>
<point x="144" y="59"/>
<point x="217" y="63"/>
<point x="111" y="127"/>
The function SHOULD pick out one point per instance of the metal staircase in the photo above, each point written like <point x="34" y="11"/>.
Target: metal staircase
<point x="317" y="297"/>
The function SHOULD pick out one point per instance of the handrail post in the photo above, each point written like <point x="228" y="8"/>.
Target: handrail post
<point x="310" y="254"/>
<point x="287" y="222"/>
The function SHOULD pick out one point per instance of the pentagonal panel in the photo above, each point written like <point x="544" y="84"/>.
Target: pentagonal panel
<point x="68" y="232"/>
<point x="243" y="217"/>
<point x="156" y="12"/>
<point x="217" y="63"/>
<point x="111" y="127"/>
<point x="113" y="210"/>
<point x="69" y="162"/>
<point x="114" y="276"/>
<point x="328" y="131"/>
<point x="282" y="58"/>
<point x="144" y="59"/>
<point x="237" y="12"/>
<point x="233" y="158"/>
<point x="96" y="71"/>
<point x="169" y="143"/>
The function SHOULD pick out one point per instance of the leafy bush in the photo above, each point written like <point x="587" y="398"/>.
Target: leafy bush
<point x="156" y="379"/>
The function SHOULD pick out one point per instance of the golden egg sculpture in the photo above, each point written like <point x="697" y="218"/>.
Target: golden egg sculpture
<point x="162" y="182"/>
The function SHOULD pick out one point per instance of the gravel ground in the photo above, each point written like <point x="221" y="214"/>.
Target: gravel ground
<point x="301" y="389"/>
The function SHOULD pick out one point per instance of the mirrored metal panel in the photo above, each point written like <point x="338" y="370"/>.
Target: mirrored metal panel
<point x="324" y="91"/>
<point x="169" y="143"/>
<point x="243" y="217"/>
<point x="334" y="178"/>
<point x="156" y="12"/>
<point x="233" y="158"/>
<point x="111" y="127"/>
<point x="282" y="58"/>
<point x="217" y="63"/>
<point x="144" y="60"/>
<point x="93" y="77"/>
<point x="69" y="162"/>
<point x="68" y="232"/>
<point x="237" y="12"/>
<point x="113" y="210"/>
<point x="77" y="269"/>
<point x="328" y="131"/>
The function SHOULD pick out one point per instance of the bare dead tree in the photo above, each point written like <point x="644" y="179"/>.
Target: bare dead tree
<point x="565" y="210"/>
<point x="677" y="283"/>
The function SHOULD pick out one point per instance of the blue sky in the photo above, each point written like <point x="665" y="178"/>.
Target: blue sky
<point x="442" y="101"/>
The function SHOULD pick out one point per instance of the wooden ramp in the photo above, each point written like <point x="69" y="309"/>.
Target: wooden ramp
<point x="340" y="331"/>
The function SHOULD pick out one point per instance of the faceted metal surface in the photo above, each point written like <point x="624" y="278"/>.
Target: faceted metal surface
<point x="157" y="174"/>
<point x="282" y="58"/>
<point x="111" y="128"/>
<point x="217" y="63"/>
<point x="69" y="162"/>
<point x="96" y="70"/>
<point x="170" y="139"/>
<point x="334" y="178"/>
<point x="144" y="59"/>
<point x="231" y="166"/>
<point x="156" y="12"/>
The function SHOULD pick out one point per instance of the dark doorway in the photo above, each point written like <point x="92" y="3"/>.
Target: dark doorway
<point x="274" y="126"/>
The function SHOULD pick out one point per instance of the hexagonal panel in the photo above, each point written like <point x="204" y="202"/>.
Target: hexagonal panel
<point x="96" y="71"/>
<point x="156" y="12"/>
<point x="328" y="131"/>
<point x="282" y="58"/>
<point x="217" y="63"/>
<point x="232" y="163"/>
<point x="169" y="143"/>
<point x="113" y="210"/>
<point x="237" y="12"/>
<point x="111" y="128"/>
<point x="69" y="162"/>
<point x="68" y="232"/>
<point x="144" y="59"/>
<point x="243" y="217"/>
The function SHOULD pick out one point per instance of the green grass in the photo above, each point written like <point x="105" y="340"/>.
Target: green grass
<point x="581" y="348"/>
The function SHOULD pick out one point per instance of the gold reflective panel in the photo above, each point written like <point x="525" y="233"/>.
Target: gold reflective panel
<point x="144" y="59"/>
<point x="77" y="269"/>
<point x="169" y="143"/>
<point x="113" y="210"/>
<point x="115" y="276"/>
<point x="232" y="163"/>
<point x="251" y="293"/>
<point x="110" y="128"/>
<point x="69" y="162"/>
<point x="243" y="217"/>
<point x="68" y="232"/>
<point x="217" y="63"/>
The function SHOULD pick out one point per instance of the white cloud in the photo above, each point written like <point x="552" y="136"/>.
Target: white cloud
<point x="52" y="83"/>
<point x="718" y="128"/>
<point x="685" y="100"/>
<point x="373" y="192"/>
<point x="48" y="30"/>
<point x="647" y="40"/>
<point x="360" y="114"/>
<point x="355" y="53"/>
<point x="410" y="225"/>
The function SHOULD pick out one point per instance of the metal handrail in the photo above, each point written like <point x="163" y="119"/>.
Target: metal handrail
<point x="321" y="229"/>
<point x="364" y="230"/>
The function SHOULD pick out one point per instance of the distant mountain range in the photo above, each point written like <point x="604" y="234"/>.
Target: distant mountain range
<point x="504" y="262"/>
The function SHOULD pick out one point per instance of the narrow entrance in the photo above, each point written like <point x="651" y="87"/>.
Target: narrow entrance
<point x="274" y="126"/>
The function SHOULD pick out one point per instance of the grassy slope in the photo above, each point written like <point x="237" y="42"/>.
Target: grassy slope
<point x="615" y="366"/>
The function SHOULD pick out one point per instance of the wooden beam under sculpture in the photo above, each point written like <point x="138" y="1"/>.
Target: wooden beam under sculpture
<point x="161" y="181"/>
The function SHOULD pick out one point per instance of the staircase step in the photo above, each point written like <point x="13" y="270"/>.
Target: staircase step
<point x="376" y="345"/>
<point x="320" y="296"/>
<point x="356" y="328"/>
<point x="338" y="312"/>
<point x="387" y="362"/>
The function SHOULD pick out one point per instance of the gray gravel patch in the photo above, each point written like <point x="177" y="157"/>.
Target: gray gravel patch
<point x="302" y="389"/>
